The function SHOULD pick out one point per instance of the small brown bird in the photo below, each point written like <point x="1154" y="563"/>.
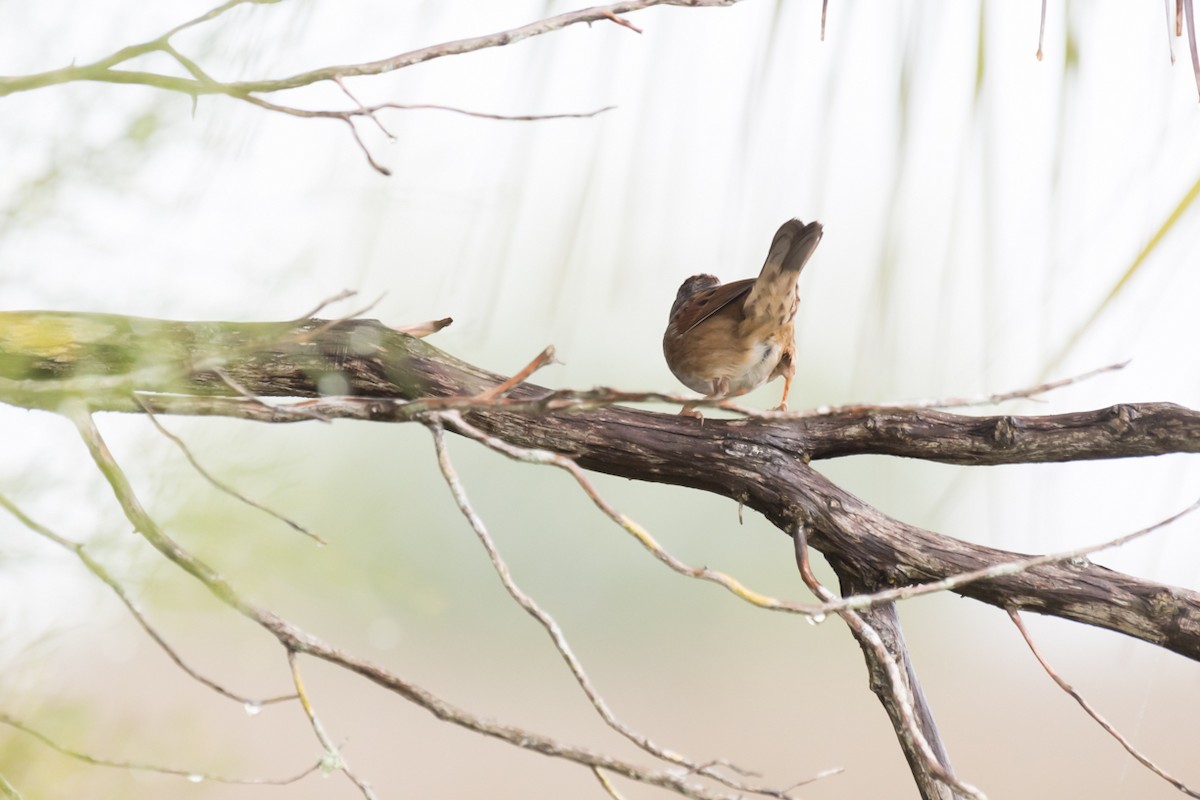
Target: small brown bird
<point x="725" y="340"/>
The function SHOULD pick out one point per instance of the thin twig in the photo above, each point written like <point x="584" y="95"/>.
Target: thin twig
<point x="333" y="758"/>
<point x="745" y="773"/>
<point x="228" y="380"/>
<point x="830" y="605"/>
<point x="1170" y="38"/>
<point x="221" y="485"/>
<point x="195" y="776"/>
<point x="192" y="67"/>
<point x="1042" y="32"/>
<point x="216" y="12"/>
<point x="366" y="151"/>
<point x="455" y="421"/>
<point x="344" y="294"/>
<point x="499" y="390"/>
<point x="97" y="569"/>
<point x="962" y="402"/>
<point x="371" y="112"/>
<point x="1094" y="714"/>
<point x="607" y="785"/>
<point x="9" y="791"/>
<point x="365" y="408"/>
<point x="295" y="639"/>
<point x="374" y="117"/>
<point x="624" y="23"/>
<point x="473" y="44"/>
<point x="603" y="397"/>
<point x="825" y="773"/>
<point x="423" y="329"/>
<point x="103" y="69"/>
<point x="302" y="409"/>
<point x="1189" y="11"/>
<point x="901" y="694"/>
<point x="1013" y="567"/>
<point x="200" y="83"/>
<point x="332" y="323"/>
<point x="555" y="631"/>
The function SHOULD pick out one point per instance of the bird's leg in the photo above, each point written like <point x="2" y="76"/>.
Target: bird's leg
<point x="787" y="387"/>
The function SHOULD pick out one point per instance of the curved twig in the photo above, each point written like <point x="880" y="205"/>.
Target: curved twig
<point x="1094" y="714"/>
<point x="195" y="776"/>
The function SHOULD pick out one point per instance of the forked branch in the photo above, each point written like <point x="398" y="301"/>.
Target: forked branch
<point x="295" y="640"/>
<point x="200" y="82"/>
<point x="133" y="365"/>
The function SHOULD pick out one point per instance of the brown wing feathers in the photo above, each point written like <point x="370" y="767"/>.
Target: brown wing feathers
<point x="710" y="301"/>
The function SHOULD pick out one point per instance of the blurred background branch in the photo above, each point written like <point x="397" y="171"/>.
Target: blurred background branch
<point x="200" y="83"/>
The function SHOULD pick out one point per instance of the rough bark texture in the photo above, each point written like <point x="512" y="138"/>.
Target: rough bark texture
<point x="886" y="621"/>
<point x="46" y="357"/>
<point x="1120" y="431"/>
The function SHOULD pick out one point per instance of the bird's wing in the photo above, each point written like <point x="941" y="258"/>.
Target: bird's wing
<point x="704" y="304"/>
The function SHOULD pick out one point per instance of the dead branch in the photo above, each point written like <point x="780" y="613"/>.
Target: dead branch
<point x="252" y="705"/>
<point x="192" y="775"/>
<point x="295" y="640"/>
<point x="1094" y="714"/>
<point x="333" y="757"/>
<point x="221" y="485"/>
<point x="559" y="638"/>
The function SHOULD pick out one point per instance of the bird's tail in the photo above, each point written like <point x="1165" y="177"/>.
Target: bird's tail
<point x="791" y="248"/>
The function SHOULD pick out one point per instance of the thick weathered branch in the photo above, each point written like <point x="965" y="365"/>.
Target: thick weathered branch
<point x="894" y="682"/>
<point x="46" y="358"/>
<point x="1119" y="431"/>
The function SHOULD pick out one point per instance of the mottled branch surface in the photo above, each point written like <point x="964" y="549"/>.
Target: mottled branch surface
<point x="49" y="357"/>
<point x="1119" y="431"/>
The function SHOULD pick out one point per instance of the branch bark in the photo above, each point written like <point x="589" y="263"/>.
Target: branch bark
<point x="894" y="681"/>
<point x="1119" y="431"/>
<point x="65" y="362"/>
<point x="47" y="358"/>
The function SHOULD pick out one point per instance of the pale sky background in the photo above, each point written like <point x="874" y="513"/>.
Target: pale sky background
<point x="970" y="230"/>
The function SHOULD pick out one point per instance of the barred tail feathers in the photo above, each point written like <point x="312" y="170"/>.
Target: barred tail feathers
<point x="791" y="248"/>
